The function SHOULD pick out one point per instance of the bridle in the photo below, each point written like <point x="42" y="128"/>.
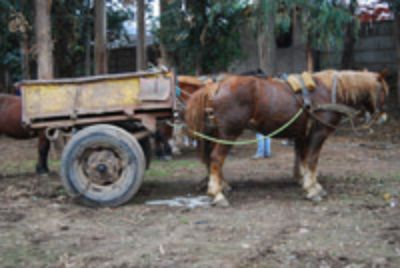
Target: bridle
<point x="347" y="110"/>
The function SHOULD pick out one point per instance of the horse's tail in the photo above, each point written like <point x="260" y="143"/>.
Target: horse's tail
<point x="196" y="121"/>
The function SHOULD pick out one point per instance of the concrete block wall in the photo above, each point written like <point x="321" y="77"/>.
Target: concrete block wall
<point x="374" y="49"/>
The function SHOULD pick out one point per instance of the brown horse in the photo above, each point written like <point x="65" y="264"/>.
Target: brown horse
<point x="240" y="102"/>
<point x="11" y="126"/>
<point x="169" y="137"/>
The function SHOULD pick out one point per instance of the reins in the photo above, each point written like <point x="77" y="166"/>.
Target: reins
<point x="349" y="118"/>
<point x="245" y="142"/>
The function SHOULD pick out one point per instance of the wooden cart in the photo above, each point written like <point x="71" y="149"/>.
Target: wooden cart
<point x="109" y="119"/>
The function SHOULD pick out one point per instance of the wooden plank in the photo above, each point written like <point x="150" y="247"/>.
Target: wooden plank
<point x="97" y="78"/>
<point x="68" y="122"/>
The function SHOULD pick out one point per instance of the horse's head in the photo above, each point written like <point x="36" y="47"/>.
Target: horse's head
<point x="376" y="102"/>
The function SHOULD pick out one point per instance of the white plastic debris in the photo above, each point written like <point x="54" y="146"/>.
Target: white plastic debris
<point x="189" y="202"/>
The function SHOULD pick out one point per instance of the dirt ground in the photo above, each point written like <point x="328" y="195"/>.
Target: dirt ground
<point x="269" y="223"/>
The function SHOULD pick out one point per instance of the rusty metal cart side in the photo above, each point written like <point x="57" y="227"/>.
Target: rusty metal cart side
<point x="109" y="119"/>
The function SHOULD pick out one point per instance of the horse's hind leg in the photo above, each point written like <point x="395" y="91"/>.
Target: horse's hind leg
<point x="216" y="182"/>
<point x="300" y="155"/>
<point x="44" y="147"/>
<point x="313" y="189"/>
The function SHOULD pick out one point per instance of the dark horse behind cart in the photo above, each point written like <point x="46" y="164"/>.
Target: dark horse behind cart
<point x="11" y="126"/>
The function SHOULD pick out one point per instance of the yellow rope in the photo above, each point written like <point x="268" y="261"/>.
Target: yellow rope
<point x="245" y="142"/>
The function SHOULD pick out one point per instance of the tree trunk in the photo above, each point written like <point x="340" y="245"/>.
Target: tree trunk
<point x="88" y="37"/>
<point x="267" y="44"/>
<point x="100" y="42"/>
<point x="44" y="42"/>
<point x="199" y="8"/>
<point x="397" y="40"/>
<point x="310" y="57"/>
<point x="347" y="61"/>
<point x="26" y="72"/>
<point x="141" y="63"/>
<point x="164" y="54"/>
<point x="7" y="79"/>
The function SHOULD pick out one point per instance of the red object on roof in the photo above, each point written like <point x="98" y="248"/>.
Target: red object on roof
<point x="372" y="11"/>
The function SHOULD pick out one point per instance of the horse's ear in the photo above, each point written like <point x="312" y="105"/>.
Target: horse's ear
<point x="383" y="74"/>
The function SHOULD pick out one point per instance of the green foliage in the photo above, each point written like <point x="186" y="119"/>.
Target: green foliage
<point x="324" y="22"/>
<point x="205" y="36"/>
<point x="9" y="40"/>
<point x="72" y="21"/>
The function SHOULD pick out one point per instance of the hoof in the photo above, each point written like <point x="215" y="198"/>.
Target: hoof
<point x="165" y="158"/>
<point x="316" y="194"/>
<point x="220" y="201"/>
<point x="42" y="171"/>
<point x="316" y="199"/>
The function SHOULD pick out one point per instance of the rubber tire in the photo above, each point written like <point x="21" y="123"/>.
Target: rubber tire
<point x="112" y="136"/>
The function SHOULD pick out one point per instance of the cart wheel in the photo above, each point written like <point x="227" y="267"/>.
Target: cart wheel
<point x="102" y="165"/>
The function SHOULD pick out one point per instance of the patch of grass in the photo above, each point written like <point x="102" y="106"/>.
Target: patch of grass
<point x="183" y="220"/>
<point x="25" y="166"/>
<point x="162" y="169"/>
<point x="14" y="167"/>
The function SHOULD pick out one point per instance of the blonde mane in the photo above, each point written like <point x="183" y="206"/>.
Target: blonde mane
<point x="354" y="86"/>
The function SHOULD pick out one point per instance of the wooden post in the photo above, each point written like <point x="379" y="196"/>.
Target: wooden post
<point x="141" y="63"/>
<point x="44" y="42"/>
<point x="397" y="41"/>
<point x="100" y="42"/>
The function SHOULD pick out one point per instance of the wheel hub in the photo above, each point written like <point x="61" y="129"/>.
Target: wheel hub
<point x="103" y="167"/>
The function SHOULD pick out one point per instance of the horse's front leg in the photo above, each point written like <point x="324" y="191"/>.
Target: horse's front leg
<point x="43" y="151"/>
<point x="314" y="190"/>
<point x="216" y="183"/>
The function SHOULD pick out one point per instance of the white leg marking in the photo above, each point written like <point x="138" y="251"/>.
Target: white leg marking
<point x="313" y="188"/>
<point x="213" y="186"/>
<point x="301" y="172"/>
<point x="307" y="177"/>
